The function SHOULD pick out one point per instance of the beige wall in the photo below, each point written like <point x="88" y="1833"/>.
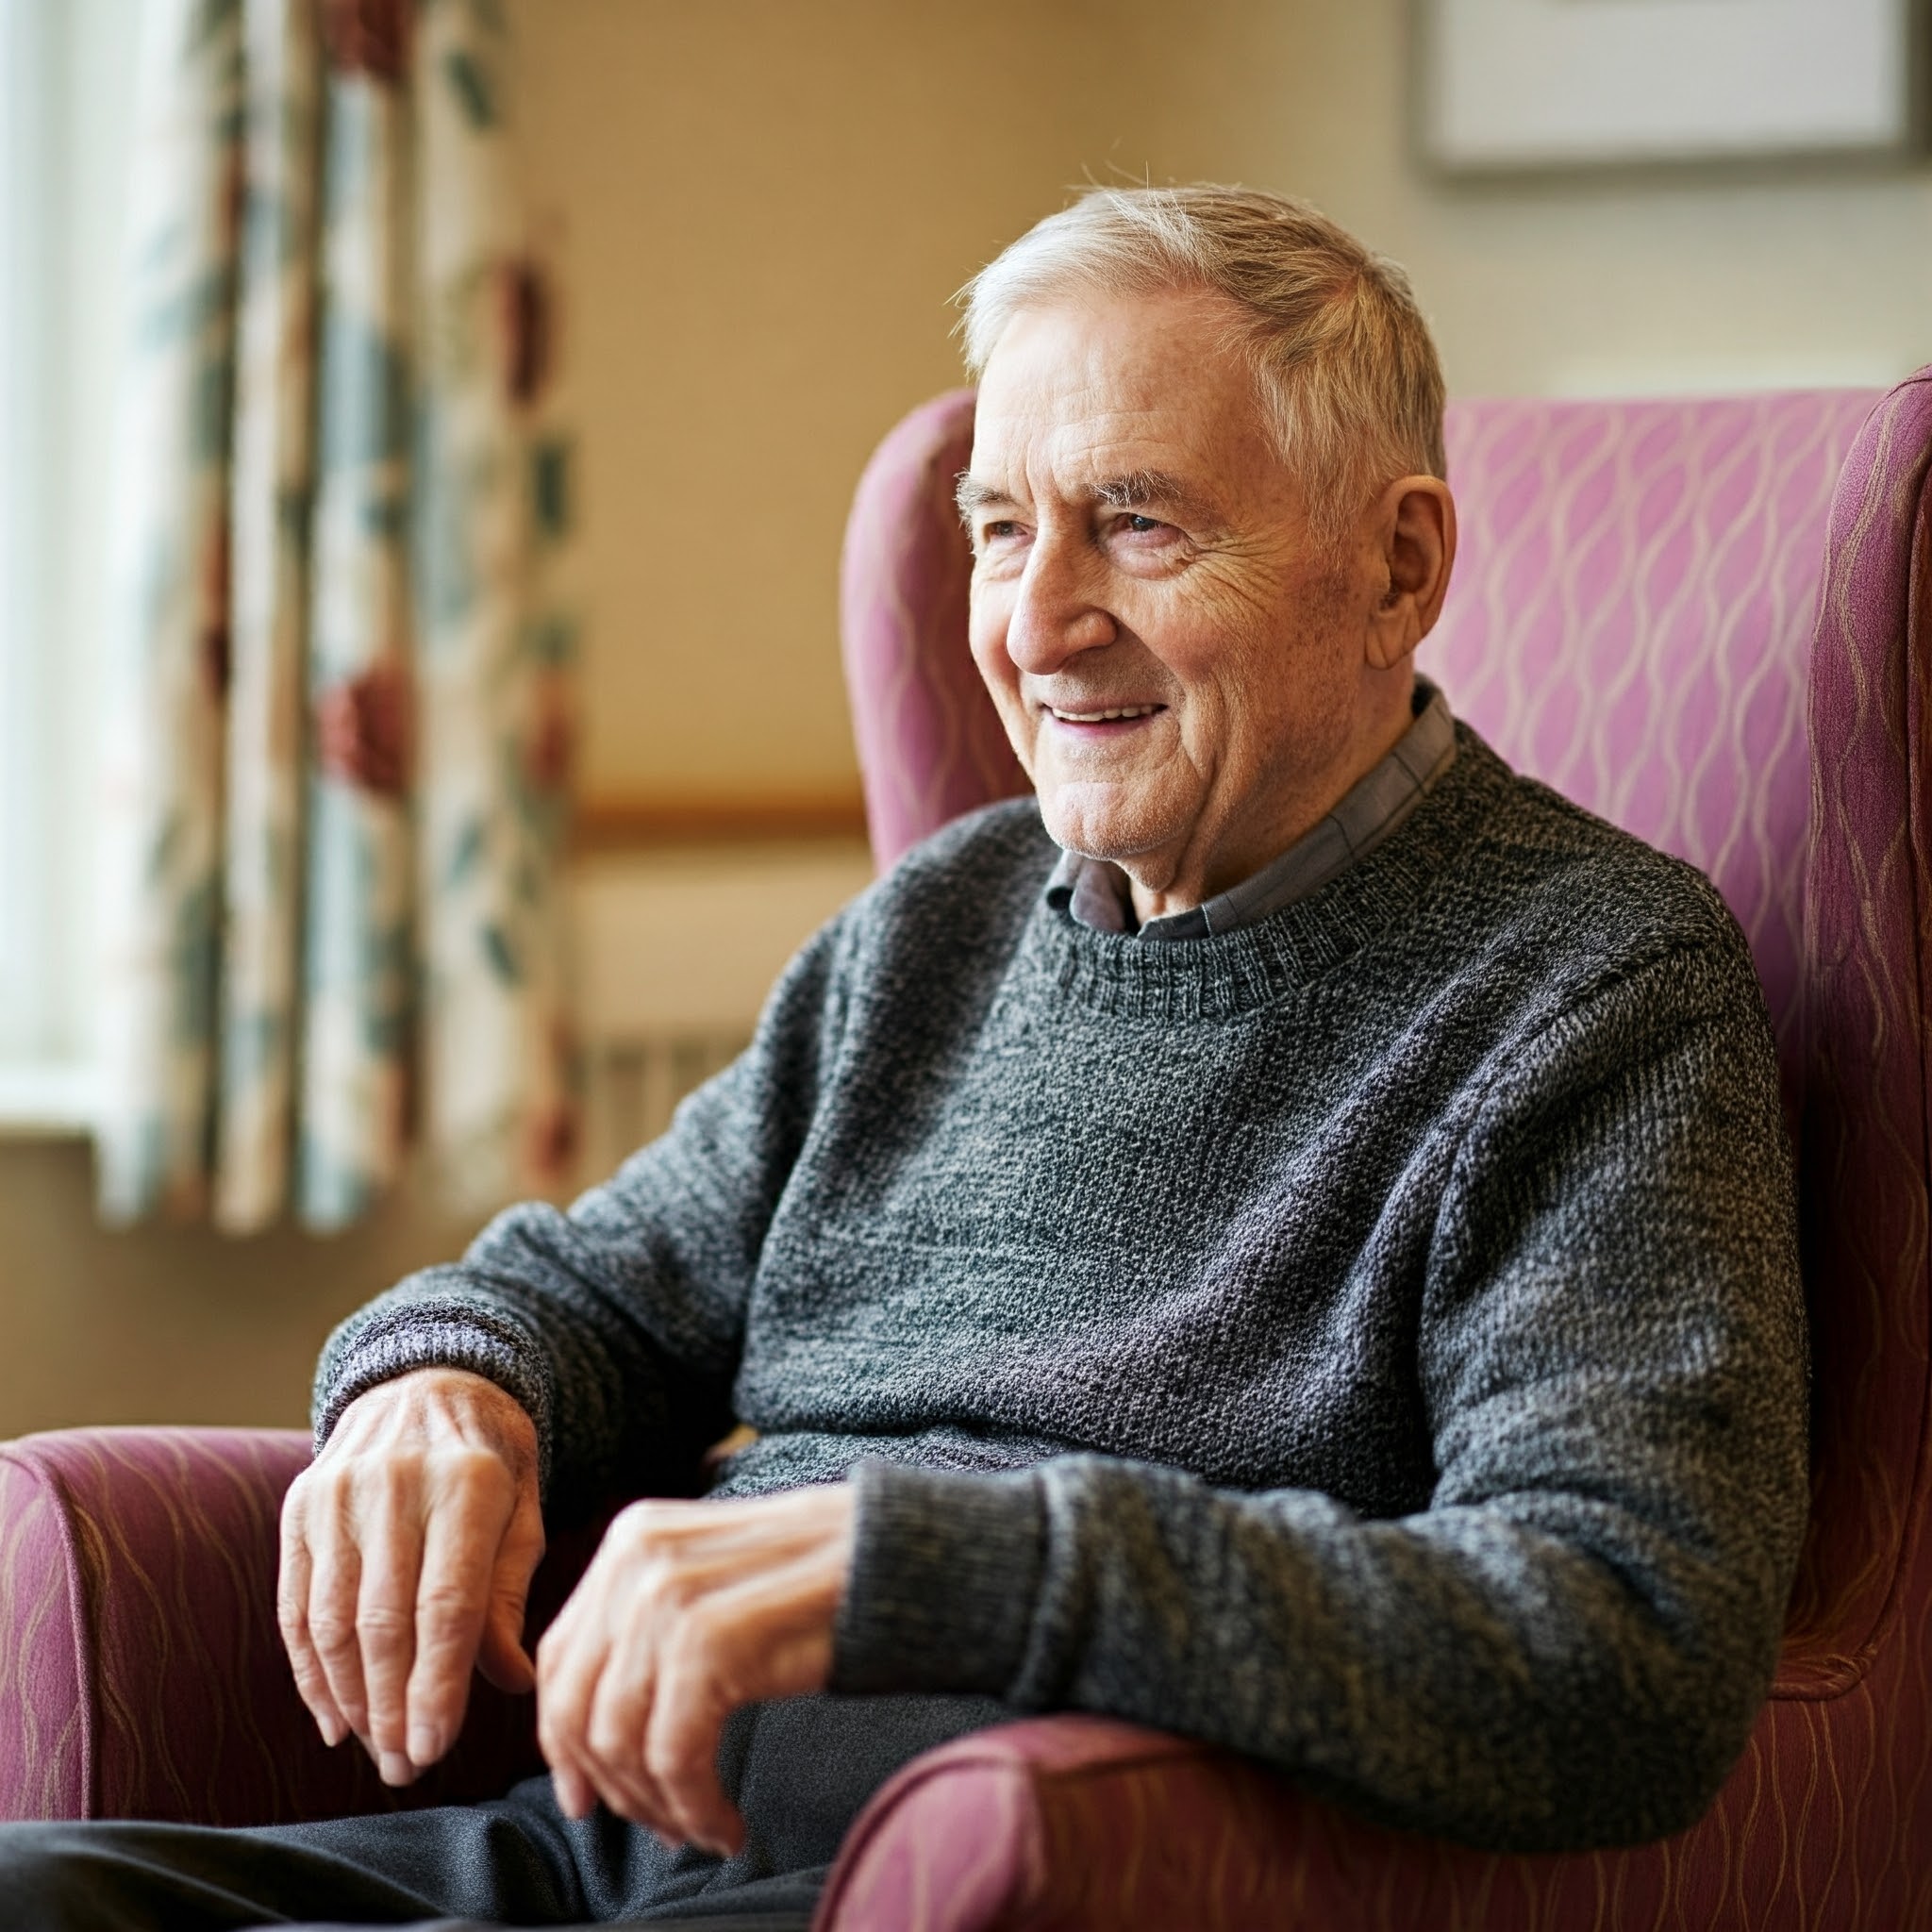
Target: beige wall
<point x="172" y="1325"/>
<point x="767" y="204"/>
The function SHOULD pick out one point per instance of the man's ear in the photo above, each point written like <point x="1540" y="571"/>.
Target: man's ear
<point x="1414" y="526"/>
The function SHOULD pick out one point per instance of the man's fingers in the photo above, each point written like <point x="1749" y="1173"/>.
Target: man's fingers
<point x="431" y="1446"/>
<point x="335" y="1575"/>
<point x="576" y="1797"/>
<point x="687" y="1613"/>
<point x="392" y="1558"/>
<point x="757" y="1638"/>
<point x="593" y="1748"/>
<point x="681" y="1750"/>
<point x="614" y="1733"/>
<point x="503" y="1658"/>
<point x="292" y="1583"/>
<point x="563" y="1696"/>
<point x="452" y="1599"/>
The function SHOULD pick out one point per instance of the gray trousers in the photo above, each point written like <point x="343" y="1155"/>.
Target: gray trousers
<point x="799" y="1772"/>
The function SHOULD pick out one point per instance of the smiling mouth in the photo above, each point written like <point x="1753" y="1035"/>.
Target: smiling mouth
<point x="1123" y="714"/>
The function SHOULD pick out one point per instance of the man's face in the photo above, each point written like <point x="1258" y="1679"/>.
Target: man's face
<point x="1177" y="660"/>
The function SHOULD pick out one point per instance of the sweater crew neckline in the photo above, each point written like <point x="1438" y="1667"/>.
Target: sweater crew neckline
<point x="1221" y="975"/>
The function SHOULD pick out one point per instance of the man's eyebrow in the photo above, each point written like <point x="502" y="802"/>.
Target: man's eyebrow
<point x="1141" y="489"/>
<point x="1134" y="490"/>
<point x="971" y="494"/>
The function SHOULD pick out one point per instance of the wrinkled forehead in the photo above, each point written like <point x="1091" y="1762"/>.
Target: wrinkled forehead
<point x="1086" y="390"/>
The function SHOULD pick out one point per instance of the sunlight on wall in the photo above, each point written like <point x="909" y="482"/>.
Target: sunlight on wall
<point x="766" y="209"/>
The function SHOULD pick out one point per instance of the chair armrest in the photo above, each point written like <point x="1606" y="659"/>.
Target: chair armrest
<point x="1085" y="1825"/>
<point x="142" y="1672"/>
<point x="1077" y="1823"/>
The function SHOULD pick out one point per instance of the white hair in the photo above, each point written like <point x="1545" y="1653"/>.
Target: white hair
<point x="1342" y="358"/>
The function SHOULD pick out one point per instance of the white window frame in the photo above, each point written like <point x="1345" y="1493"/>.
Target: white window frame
<point x="66" y="110"/>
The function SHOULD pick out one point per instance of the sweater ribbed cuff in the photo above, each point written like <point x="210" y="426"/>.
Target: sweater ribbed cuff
<point x="437" y="1339"/>
<point x="945" y="1570"/>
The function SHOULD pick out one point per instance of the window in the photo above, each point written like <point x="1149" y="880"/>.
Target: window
<point x="66" y="79"/>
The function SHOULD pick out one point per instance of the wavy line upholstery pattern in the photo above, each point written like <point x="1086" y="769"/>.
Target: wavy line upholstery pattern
<point x="141" y="1674"/>
<point x="1867" y="952"/>
<point x="45" y="1771"/>
<point x="1630" y="622"/>
<point x="1620" y="564"/>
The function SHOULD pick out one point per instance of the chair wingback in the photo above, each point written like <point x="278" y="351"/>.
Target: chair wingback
<point x="930" y="744"/>
<point x="1696" y="618"/>
<point x="1868" y="974"/>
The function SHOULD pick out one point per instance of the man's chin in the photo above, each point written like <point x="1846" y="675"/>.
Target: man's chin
<point x="1101" y="827"/>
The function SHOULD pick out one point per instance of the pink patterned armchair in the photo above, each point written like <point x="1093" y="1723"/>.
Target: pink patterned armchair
<point x="1708" y="621"/>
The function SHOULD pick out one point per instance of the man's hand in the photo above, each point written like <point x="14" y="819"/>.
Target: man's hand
<point x="407" y="1548"/>
<point x="689" y="1610"/>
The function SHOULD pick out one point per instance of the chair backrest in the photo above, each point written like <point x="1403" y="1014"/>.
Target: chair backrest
<point x="1650" y="598"/>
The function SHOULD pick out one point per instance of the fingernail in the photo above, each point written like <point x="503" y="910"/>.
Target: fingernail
<point x="333" y="1730"/>
<point x="425" y="1747"/>
<point x="396" y="1768"/>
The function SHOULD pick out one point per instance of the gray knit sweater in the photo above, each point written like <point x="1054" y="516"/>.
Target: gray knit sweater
<point x="1371" y="1338"/>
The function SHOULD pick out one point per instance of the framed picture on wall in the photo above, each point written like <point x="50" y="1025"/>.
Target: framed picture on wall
<point x="1508" y="85"/>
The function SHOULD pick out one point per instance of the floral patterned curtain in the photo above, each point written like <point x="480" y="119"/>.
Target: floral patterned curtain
<point x="338" y="718"/>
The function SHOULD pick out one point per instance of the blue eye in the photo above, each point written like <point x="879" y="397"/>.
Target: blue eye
<point x="1140" y="526"/>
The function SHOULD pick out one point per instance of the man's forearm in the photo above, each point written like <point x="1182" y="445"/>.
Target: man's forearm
<point x="1468" y="1674"/>
<point x="607" y="1405"/>
<point x="619" y="1325"/>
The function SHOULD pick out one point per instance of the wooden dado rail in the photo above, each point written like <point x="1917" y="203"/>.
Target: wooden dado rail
<point x="638" y="824"/>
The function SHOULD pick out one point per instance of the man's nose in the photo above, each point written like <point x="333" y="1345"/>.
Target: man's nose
<point x="1057" y="613"/>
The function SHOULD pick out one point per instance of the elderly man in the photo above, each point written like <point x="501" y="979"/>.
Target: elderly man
<point x="1288" y="1237"/>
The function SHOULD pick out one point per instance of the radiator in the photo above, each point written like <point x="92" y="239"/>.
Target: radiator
<point x="675" y="952"/>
